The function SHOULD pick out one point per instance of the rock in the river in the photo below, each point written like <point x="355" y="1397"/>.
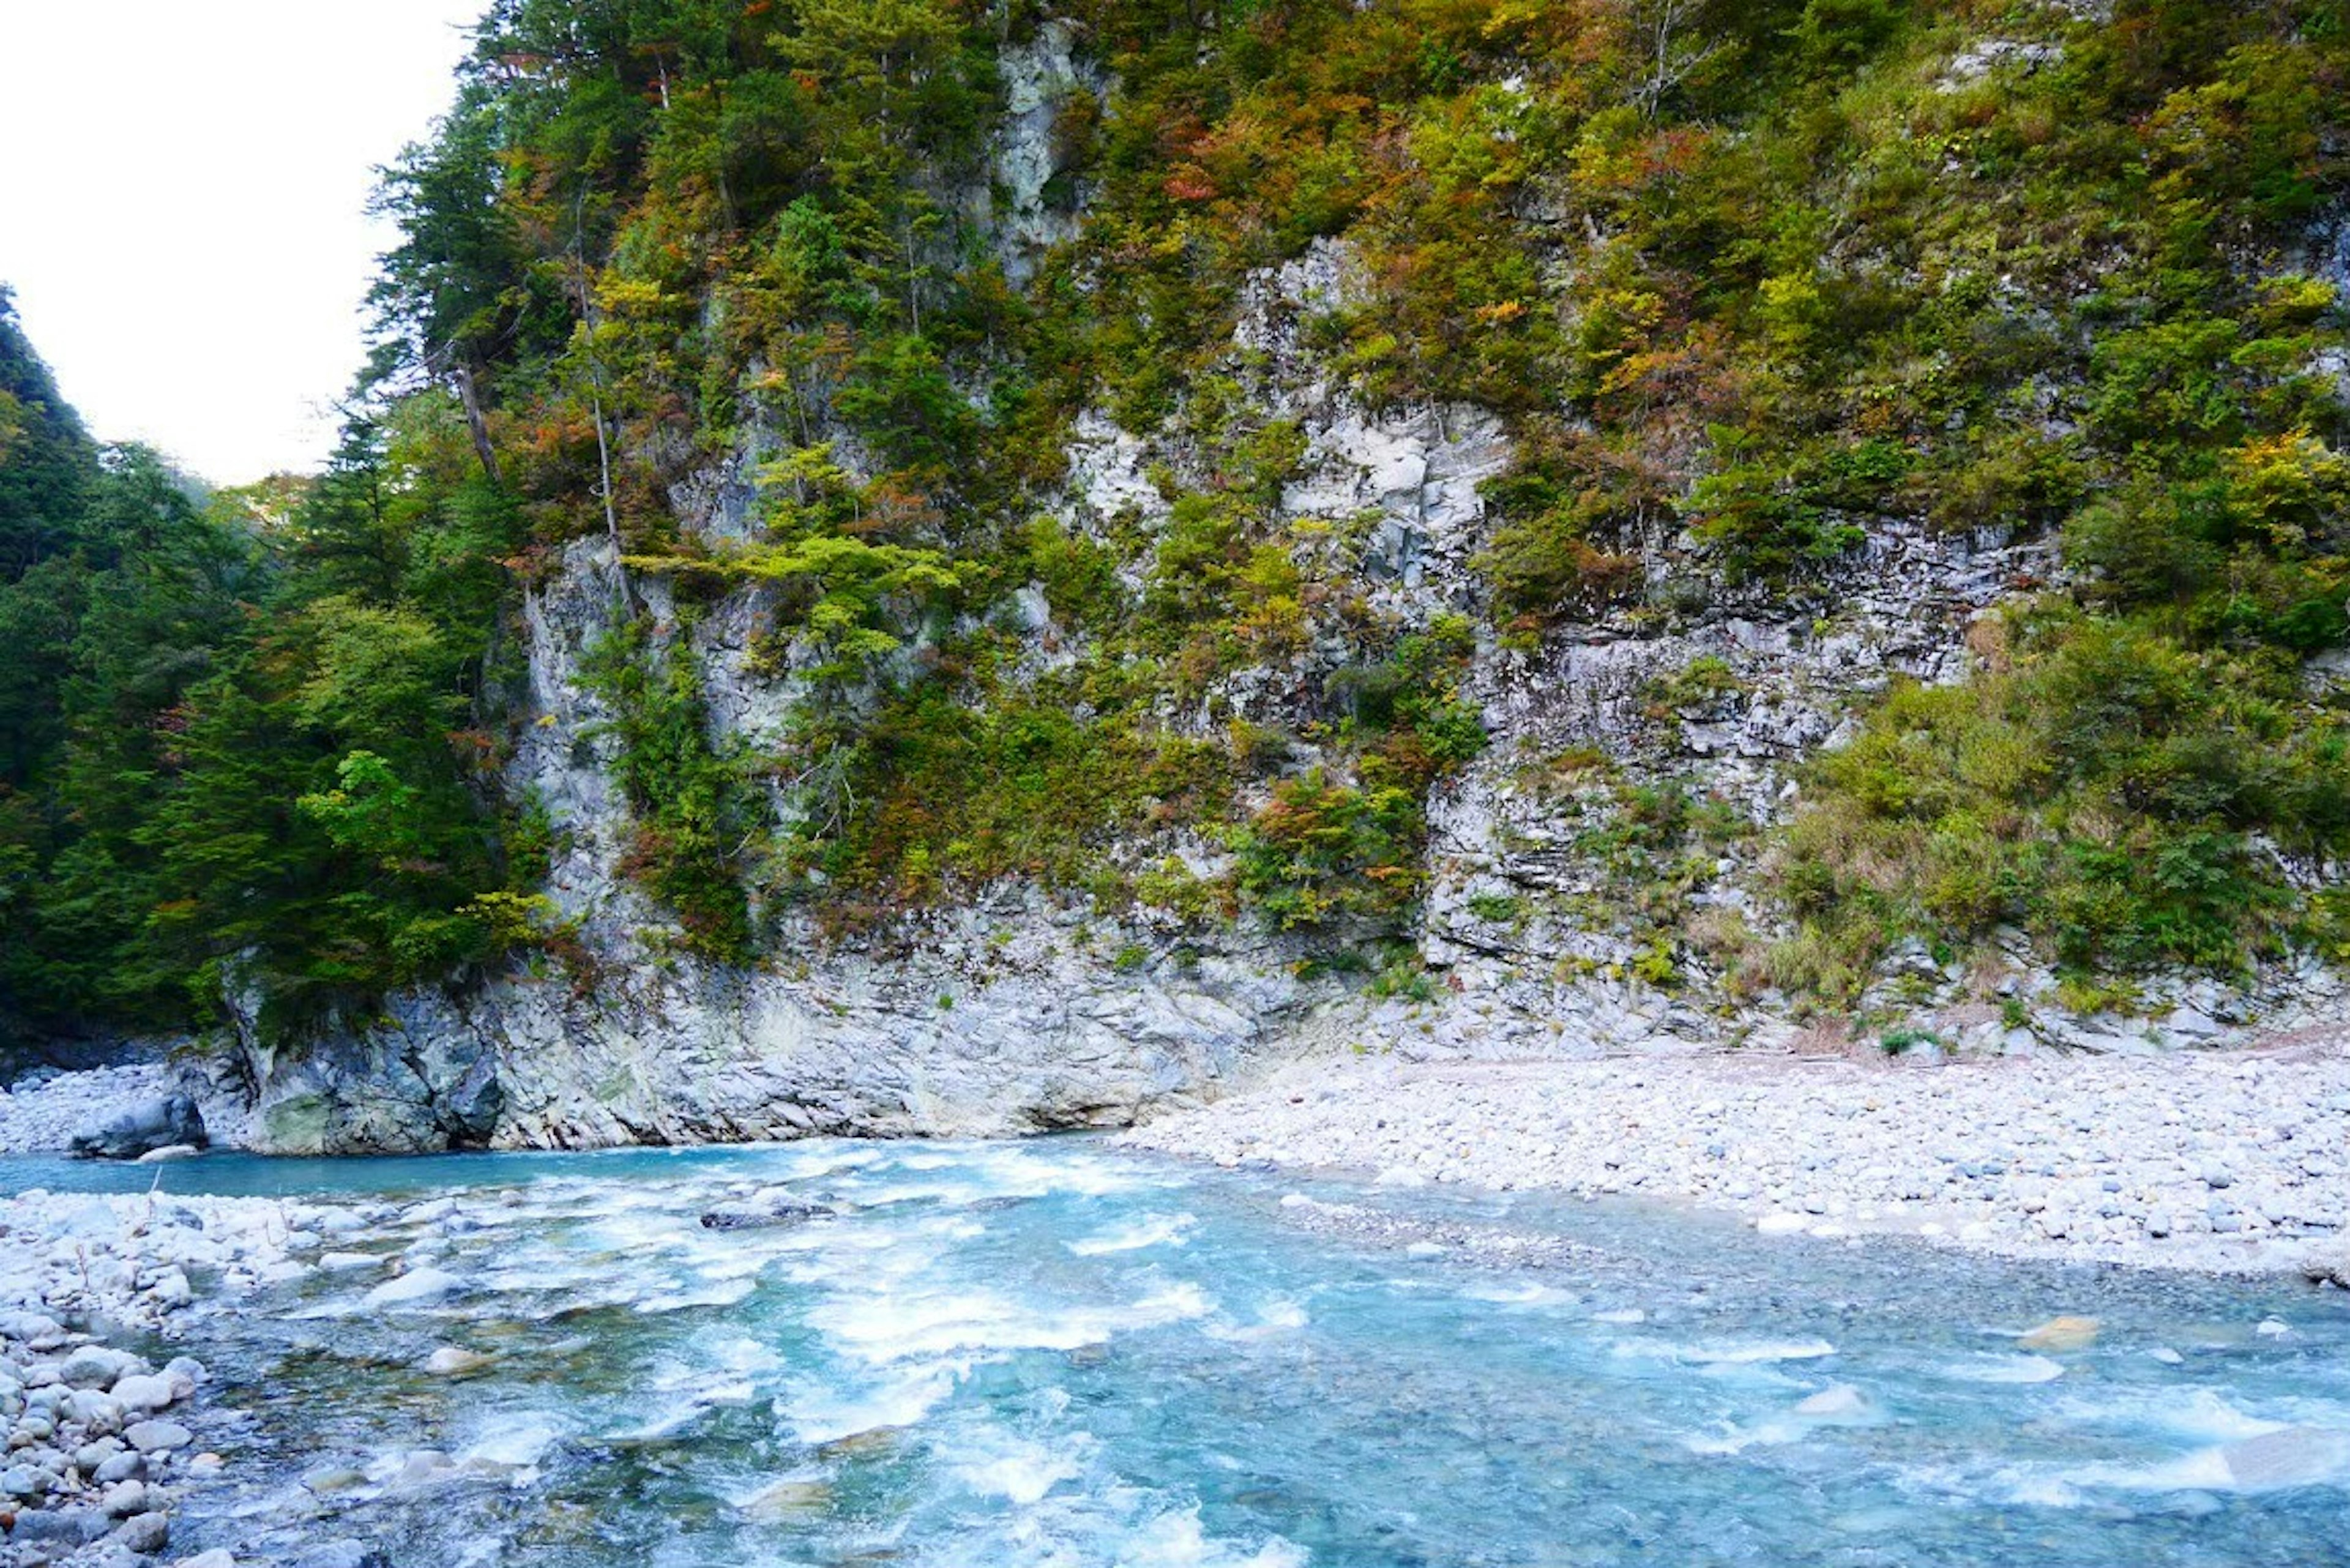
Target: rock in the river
<point x="327" y="1480"/>
<point x="98" y="1366"/>
<point x="424" y="1467"/>
<point x="98" y="1413"/>
<point x="169" y="1151"/>
<point x="454" y="1361"/>
<point x="158" y="1124"/>
<point x="788" y="1499"/>
<point x="128" y="1465"/>
<point x="342" y="1554"/>
<point x="155" y="1436"/>
<point x="751" y="1215"/>
<point x="423" y="1285"/>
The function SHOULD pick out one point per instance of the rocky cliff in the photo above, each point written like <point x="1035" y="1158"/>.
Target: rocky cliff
<point x="1028" y="1009"/>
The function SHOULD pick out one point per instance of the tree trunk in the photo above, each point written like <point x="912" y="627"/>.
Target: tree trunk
<point x="469" y="392"/>
<point x="604" y="469"/>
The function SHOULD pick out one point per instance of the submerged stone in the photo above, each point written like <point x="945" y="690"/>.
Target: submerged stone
<point x="2297" y="1456"/>
<point x="454" y="1361"/>
<point x="755" y="1216"/>
<point x="2064" y="1333"/>
<point x="789" y="1499"/>
<point x="327" y="1480"/>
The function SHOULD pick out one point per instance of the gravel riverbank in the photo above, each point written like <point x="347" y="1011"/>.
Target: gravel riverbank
<point x="2238" y="1160"/>
<point x="101" y="1442"/>
<point x="42" y="1112"/>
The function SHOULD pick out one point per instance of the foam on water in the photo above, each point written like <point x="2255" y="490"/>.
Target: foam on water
<point x="1176" y="1539"/>
<point x="823" y="1158"/>
<point x="937" y="1322"/>
<point x="714" y="1293"/>
<point x="2003" y="1369"/>
<point x="1153" y="1231"/>
<point x="825" y="1411"/>
<point x="517" y="1439"/>
<point x="1012" y="1170"/>
<point x="2205" y="1470"/>
<point x="1272" y="1320"/>
<point x="2275" y="1458"/>
<point x="2203" y="1415"/>
<point x="1525" y="1294"/>
<point x="742" y="1352"/>
<point x="1018" y="1469"/>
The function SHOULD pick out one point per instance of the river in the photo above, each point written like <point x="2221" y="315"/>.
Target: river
<point x="1061" y="1355"/>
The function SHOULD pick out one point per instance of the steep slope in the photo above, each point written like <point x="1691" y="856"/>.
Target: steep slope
<point x="1011" y="565"/>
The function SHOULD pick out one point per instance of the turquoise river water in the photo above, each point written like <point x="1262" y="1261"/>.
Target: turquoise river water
<point x="1059" y="1354"/>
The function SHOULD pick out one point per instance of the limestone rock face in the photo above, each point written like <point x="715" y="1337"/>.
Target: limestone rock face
<point x="1041" y="76"/>
<point x="971" y="1036"/>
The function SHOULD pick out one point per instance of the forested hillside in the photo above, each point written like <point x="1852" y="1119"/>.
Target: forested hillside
<point x="817" y="307"/>
<point x="241" y="725"/>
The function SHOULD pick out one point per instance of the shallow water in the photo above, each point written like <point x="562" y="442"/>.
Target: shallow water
<point x="1060" y="1353"/>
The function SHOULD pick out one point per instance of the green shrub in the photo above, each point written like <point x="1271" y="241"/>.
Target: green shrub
<point x="695" y="812"/>
<point x="2102" y="793"/>
<point x="1318" y="851"/>
<point x="1501" y="909"/>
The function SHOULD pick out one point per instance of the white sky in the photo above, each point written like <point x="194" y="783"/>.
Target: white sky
<point x="180" y="206"/>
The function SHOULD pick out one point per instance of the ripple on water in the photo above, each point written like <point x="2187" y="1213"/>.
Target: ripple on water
<point x="939" y="1321"/>
<point x="1275" y="1318"/>
<point x="2003" y="1369"/>
<point x="1151" y="1231"/>
<point x="1721" y="1353"/>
